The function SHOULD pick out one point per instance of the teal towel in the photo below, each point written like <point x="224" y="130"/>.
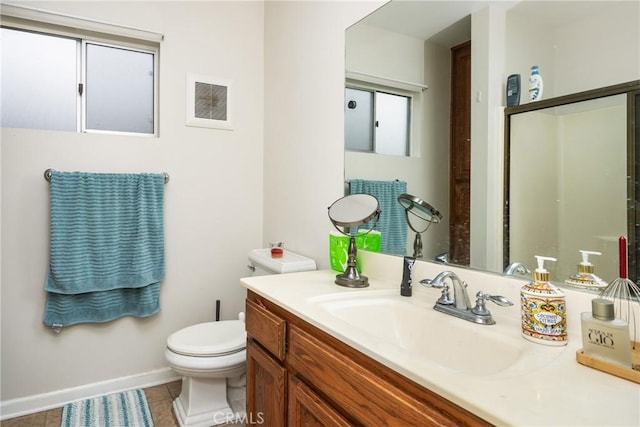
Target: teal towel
<point x="392" y="224"/>
<point x="107" y="247"/>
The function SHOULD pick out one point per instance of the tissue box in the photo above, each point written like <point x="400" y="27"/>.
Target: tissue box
<point x="371" y="241"/>
<point x="339" y="247"/>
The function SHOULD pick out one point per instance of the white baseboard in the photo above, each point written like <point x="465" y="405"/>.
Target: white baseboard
<point x="42" y="402"/>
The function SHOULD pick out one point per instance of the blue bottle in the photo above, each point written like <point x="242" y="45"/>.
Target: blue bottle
<point x="535" y="84"/>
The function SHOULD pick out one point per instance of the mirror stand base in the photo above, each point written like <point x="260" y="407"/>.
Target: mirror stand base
<point x="352" y="279"/>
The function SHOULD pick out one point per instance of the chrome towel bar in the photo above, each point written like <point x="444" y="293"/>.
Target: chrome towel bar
<point x="47" y="175"/>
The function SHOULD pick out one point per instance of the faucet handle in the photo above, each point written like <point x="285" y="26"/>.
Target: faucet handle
<point x="432" y="284"/>
<point x="481" y="297"/>
<point x="499" y="300"/>
<point x="445" y="297"/>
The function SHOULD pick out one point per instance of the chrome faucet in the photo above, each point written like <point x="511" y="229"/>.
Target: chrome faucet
<point x="460" y="295"/>
<point x="516" y="267"/>
<point x="460" y="305"/>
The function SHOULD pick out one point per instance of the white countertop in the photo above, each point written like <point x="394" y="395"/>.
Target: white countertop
<point x="550" y="388"/>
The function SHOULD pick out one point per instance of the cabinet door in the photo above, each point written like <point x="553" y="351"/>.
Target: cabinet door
<point x="309" y="410"/>
<point x="266" y="387"/>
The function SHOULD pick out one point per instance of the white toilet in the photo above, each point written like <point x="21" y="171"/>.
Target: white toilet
<point x="211" y="356"/>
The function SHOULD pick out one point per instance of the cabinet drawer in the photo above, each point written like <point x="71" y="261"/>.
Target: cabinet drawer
<point x="364" y="395"/>
<point x="267" y="328"/>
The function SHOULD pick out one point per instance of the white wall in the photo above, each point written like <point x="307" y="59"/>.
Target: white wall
<point x="610" y="52"/>
<point x="435" y="155"/>
<point x="533" y="207"/>
<point x="594" y="155"/>
<point x="384" y="53"/>
<point x="487" y="67"/>
<point x="596" y="51"/>
<point x="304" y="119"/>
<point x="213" y="204"/>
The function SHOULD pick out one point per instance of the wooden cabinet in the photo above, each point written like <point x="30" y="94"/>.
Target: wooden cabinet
<point x="266" y="376"/>
<point x="266" y="387"/>
<point x="308" y="409"/>
<point x="298" y="375"/>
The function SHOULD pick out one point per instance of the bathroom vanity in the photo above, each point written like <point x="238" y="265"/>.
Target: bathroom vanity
<point x="321" y="354"/>
<point x="297" y="372"/>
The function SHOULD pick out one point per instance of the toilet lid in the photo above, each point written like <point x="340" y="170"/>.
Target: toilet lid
<point x="209" y="339"/>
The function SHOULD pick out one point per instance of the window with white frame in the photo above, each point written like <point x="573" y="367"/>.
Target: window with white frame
<point x="62" y="80"/>
<point x="377" y="122"/>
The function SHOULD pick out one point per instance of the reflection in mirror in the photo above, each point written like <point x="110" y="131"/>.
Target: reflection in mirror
<point x="517" y="268"/>
<point x="391" y="227"/>
<point x="347" y="212"/>
<point x="417" y="211"/>
<point x="411" y="49"/>
<point x="569" y="185"/>
<point x="585" y="276"/>
<point x="383" y="59"/>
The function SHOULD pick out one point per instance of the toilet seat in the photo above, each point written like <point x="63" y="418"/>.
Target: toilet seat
<point x="209" y="339"/>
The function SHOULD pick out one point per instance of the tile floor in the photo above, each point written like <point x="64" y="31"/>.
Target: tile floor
<point x="159" y="398"/>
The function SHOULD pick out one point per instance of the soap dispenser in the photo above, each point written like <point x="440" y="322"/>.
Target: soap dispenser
<point x="543" y="308"/>
<point x="585" y="277"/>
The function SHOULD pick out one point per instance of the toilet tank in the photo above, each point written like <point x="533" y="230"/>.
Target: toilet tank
<point x="261" y="262"/>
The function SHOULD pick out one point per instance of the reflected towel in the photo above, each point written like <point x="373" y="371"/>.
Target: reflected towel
<point x="392" y="224"/>
<point x="107" y="246"/>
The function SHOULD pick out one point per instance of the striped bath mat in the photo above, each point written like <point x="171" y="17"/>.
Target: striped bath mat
<point x="126" y="409"/>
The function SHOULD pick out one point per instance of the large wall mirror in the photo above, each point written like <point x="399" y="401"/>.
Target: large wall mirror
<point x="450" y="60"/>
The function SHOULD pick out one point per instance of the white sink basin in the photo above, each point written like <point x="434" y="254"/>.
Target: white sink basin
<point x="413" y="326"/>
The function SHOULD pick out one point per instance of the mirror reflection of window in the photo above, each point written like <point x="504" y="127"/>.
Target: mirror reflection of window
<point x="359" y="120"/>
<point x="377" y="122"/>
<point x="392" y="124"/>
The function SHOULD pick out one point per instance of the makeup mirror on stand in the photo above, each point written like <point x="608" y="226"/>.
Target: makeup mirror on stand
<point x="348" y="212"/>
<point x="425" y="212"/>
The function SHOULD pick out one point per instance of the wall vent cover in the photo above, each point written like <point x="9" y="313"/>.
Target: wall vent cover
<point x="210" y="101"/>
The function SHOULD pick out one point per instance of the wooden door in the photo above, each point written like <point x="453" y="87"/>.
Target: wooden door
<point x="307" y="409"/>
<point x="266" y="388"/>
<point x="460" y="179"/>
